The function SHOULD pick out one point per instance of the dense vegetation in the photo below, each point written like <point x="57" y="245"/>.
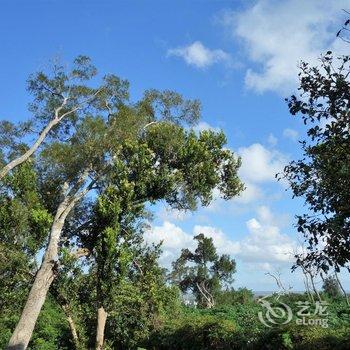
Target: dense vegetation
<point x="231" y="324"/>
<point x="78" y="198"/>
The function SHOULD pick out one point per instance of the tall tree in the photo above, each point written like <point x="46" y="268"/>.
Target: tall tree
<point x="150" y="169"/>
<point x="73" y="180"/>
<point x="322" y="176"/>
<point x="203" y="272"/>
<point x="92" y="150"/>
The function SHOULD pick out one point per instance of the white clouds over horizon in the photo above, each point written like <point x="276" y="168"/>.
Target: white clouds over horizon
<point x="196" y="54"/>
<point x="277" y="35"/>
<point x="263" y="243"/>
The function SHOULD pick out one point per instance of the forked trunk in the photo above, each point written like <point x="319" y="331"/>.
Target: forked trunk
<point x="101" y="324"/>
<point x="46" y="274"/>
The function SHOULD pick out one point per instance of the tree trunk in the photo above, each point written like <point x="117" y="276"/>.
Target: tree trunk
<point x="37" y="295"/>
<point x="8" y="167"/>
<point x="342" y="288"/>
<point x="307" y="289"/>
<point x="314" y="287"/>
<point x="72" y="327"/>
<point x="101" y="323"/>
<point x="46" y="274"/>
<point x="209" y="300"/>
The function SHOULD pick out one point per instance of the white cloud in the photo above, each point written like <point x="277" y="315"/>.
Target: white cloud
<point x="199" y="56"/>
<point x="251" y="193"/>
<point x="278" y="34"/>
<point x="291" y="134"/>
<point x="201" y="126"/>
<point x="263" y="244"/>
<point x="260" y="164"/>
<point x="173" y="238"/>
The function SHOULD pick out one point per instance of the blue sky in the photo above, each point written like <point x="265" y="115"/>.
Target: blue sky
<point x="238" y="57"/>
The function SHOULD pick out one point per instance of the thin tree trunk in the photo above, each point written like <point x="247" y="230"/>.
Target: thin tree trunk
<point x="72" y="327"/>
<point x="43" y="279"/>
<point x="101" y="324"/>
<point x="54" y="121"/>
<point x="342" y="288"/>
<point x="314" y="287"/>
<point x="209" y="300"/>
<point x="307" y="288"/>
<point x="8" y="167"/>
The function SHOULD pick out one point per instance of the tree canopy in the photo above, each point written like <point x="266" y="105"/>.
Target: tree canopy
<point x="203" y="272"/>
<point x="322" y="176"/>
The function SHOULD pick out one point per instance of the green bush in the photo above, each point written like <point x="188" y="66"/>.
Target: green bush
<point x="238" y="327"/>
<point x="194" y="330"/>
<point x="233" y="297"/>
<point x="303" y="338"/>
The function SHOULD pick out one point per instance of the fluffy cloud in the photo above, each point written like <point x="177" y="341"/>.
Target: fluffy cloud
<point x="173" y="238"/>
<point x="291" y="134"/>
<point x="251" y="193"/>
<point x="263" y="244"/>
<point x="199" y="56"/>
<point x="278" y="34"/>
<point x="260" y="164"/>
<point x="169" y="214"/>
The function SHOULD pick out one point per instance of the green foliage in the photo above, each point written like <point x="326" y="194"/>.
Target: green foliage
<point x="203" y="272"/>
<point x="323" y="105"/>
<point x="304" y="338"/>
<point x="192" y="330"/>
<point x="331" y="287"/>
<point x="238" y="327"/>
<point x="234" y="297"/>
<point x="51" y="330"/>
<point x="24" y="221"/>
<point x="131" y="154"/>
<point x="24" y="225"/>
